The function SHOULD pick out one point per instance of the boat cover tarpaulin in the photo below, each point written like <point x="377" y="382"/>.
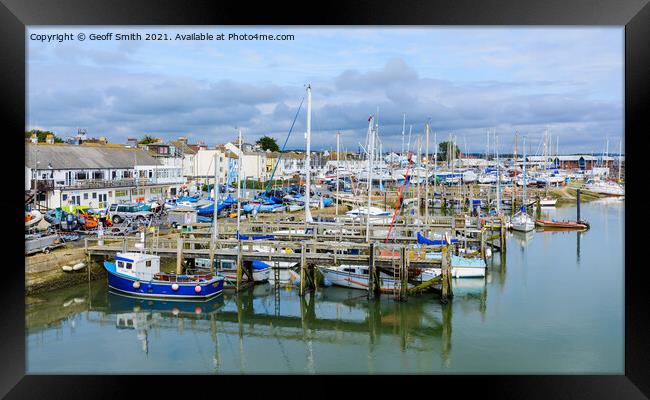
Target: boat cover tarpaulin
<point x="438" y="242"/>
<point x="261" y="237"/>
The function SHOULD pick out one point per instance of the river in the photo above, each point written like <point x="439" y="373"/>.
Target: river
<point x="554" y="304"/>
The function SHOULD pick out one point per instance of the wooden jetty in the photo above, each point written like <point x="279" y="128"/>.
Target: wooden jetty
<point x="323" y="243"/>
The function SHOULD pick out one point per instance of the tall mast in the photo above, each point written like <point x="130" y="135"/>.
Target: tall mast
<point x="524" y="194"/>
<point x="214" y="211"/>
<point x="426" y="175"/>
<point x="403" y="128"/>
<point x="620" y="149"/>
<point x="435" y="164"/>
<point x="496" y="148"/>
<point x="338" y="165"/>
<point x="239" y="184"/>
<point x="370" y="155"/>
<point x="308" y="217"/>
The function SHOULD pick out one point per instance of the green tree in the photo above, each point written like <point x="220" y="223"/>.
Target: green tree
<point x="442" y="150"/>
<point x="147" y="140"/>
<point x="268" y="143"/>
<point x="42" y="135"/>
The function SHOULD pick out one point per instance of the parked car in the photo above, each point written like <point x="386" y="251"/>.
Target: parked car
<point x="121" y="212"/>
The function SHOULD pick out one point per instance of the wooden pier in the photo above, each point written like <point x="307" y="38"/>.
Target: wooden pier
<point x="323" y="243"/>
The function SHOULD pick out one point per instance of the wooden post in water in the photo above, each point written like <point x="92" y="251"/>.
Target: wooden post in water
<point x="179" y="256"/>
<point x="404" y="276"/>
<point x="446" y="273"/>
<point x="483" y="245"/>
<point x="239" y="265"/>
<point x="302" y="269"/>
<point x="371" y="270"/>
<point x="578" y="205"/>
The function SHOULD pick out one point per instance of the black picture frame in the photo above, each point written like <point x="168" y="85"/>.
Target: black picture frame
<point x="15" y="15"/>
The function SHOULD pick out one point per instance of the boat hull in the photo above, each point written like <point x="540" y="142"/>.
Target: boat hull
<point x="186" y="290"/>
<point x="260" y="275"/>
<point x="359" y="281"/>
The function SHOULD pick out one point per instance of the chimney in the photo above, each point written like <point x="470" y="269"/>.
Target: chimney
<point x="183" y="139"/>
<point x="49" y="139"/>
<point x="34" y="138"/>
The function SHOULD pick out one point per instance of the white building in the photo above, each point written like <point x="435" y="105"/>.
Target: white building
<point x="96" y="175"/>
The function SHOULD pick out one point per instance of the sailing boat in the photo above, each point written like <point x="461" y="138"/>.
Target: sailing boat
<point x="522" y="221"/>
<point x="549" y="178"/>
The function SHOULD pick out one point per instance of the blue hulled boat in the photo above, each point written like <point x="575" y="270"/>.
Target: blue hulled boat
<point x="139" y="274"/>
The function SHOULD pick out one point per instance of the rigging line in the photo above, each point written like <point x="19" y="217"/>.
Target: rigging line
<point x="285" y="144"/>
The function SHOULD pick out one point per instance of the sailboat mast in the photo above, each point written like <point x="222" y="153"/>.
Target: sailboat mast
<point x="239" y="184"/>
<point x="338" y="166"/>
<point x="525" y="184"/>
<point x="370" y="155"/>
<point x="308" y="217"/>
<point x="496" y="148"/>
<point x="620" y="149"/>
<point x="403" y="129"/>
<point x="426" y="176"/>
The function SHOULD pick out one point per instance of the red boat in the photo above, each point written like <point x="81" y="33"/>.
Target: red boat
<point x="561" y="224"/>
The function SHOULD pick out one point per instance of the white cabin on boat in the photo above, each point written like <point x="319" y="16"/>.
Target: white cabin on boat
<point x="137" y="265"/>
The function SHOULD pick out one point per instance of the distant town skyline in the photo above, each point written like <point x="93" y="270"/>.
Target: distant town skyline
<point x="464" y="80"/>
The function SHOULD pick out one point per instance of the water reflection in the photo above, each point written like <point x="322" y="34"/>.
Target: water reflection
<point x="329" y="316"/>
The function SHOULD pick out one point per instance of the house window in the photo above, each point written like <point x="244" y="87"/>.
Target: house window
<point x="148" y="263"/>
<point x="98" y="175"/>
<point x="81" y="175"/>
<point x="64" y="197"/>
<point x="85" y="196"/>
<point x="94" y="195"/>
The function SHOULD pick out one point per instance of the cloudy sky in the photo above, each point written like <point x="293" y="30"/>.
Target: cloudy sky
<point x="568" y="81"/>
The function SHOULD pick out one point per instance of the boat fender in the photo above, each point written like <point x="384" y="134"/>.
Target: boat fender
<point x="78" y="266"/>
<point x="197" y="310"/>
<point x="175" y="310"/>
<point x="175" y="286"/>
<point x="197" y="289"/>
<point x="66" y="268"/>
<point x="136" y="285"/>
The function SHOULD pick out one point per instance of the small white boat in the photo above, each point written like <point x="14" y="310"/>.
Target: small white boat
<point x="32" y="218"/>
<point x="547" y="202"/>
<point x="461" y="267"/>
<point x="522" y="222"/>
<point x="295" y="207"/>
<point x="66" y="268"/>
<point x="356" y="277"/>
<point x="606" y="188"/>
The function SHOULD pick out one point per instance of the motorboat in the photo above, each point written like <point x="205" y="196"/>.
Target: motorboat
<point x="139" y="274"/>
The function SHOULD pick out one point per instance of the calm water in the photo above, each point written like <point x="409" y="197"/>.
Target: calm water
<point x="554" y="305"/>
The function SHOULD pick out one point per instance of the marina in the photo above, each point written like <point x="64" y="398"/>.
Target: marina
<point x="389" y="213"/>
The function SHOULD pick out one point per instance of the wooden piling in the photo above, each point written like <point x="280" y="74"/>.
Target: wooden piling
<point x="239" y="265"/>
<point x="483" y="256"/>
<point x="446" y="275"/>
<point x="302" y="269"/>
<point x="179" y="256"/>
<point x="371" y="270"/>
